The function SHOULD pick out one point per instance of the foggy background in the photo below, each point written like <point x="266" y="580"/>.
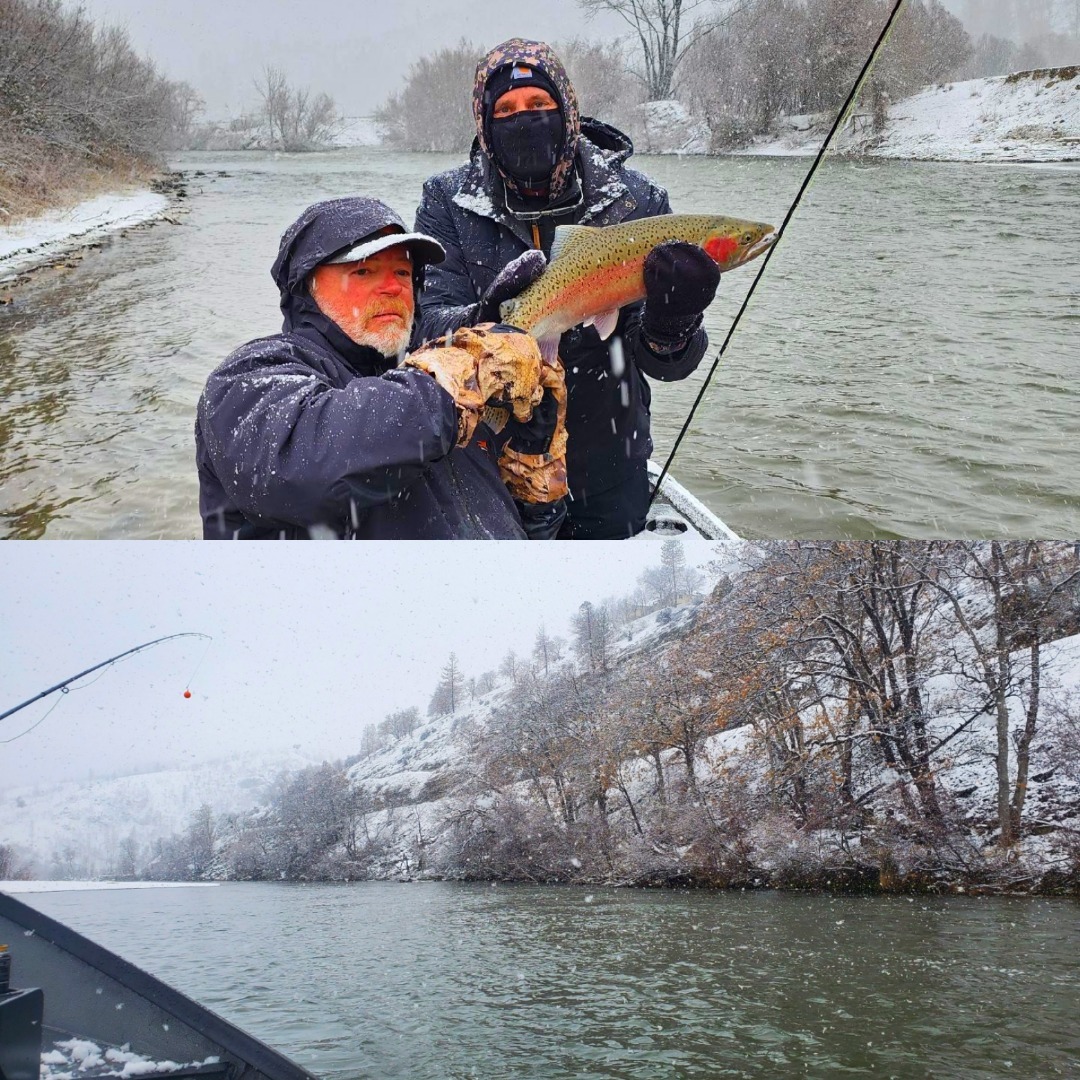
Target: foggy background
<point x="311" y="642"/>
<point x="356" y="52"/>
<point x="359" y="53"/>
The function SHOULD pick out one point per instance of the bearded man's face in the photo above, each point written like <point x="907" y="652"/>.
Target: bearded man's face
<point x="371" y="300"/>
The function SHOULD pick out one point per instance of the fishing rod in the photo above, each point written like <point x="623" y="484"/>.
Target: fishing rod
<point x="63" y="686"/>
<point x="841" y="117"/>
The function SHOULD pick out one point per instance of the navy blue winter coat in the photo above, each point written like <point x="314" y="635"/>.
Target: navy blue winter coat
<point x="607" y="415"/>
<point x="305" y="430"/>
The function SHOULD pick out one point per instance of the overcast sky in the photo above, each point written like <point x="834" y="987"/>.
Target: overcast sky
<point x="357" y="52"/>
<point x="312" y="642"/>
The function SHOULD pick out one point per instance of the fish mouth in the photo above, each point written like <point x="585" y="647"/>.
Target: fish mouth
<point x="762" y="245"/>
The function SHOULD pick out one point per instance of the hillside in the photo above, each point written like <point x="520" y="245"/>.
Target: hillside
<point x="92" y="817"/>
<point x="889" y="715"/>
<point x="1031" y="116"/>
<point x="427" y="780"/>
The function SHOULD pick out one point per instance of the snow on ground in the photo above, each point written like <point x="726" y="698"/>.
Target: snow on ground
<point x="93" y="816"/>
<point x="29" y="243"/>
<point x="1032" y="116"/>
<point x="14" y="887"/>
<point x="357" y="131"/>
<point x="666" y="127"/>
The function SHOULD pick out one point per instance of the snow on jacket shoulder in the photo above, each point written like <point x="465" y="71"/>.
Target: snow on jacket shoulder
<point x="291" y="440"/>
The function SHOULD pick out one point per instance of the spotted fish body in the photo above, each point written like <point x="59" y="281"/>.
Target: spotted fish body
<point x="595" y="271"/>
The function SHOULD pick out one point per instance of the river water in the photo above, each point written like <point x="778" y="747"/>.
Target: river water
<point x="907" y="368"/>
<point x="453" y="981"/>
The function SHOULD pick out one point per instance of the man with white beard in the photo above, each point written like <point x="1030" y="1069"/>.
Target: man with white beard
<point x="331" y="428"/>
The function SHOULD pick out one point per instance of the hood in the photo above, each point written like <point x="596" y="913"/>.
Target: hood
<point x="328" y="229"/>
<point x="538" y="55"/>
<point x="615" y="145"/>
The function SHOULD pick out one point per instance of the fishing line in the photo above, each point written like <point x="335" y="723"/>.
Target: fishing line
<point x="65" y="686"/>
<point x="4" y="742"/>
<point x="841" y="116"/>
<point x="187" y="685"/>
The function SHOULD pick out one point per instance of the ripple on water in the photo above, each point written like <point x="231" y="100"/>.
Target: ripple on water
<point x="889" y="275"/>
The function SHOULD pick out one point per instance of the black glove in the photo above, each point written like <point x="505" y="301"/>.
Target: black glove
<point x="680" y="283"/>
<point x="533" y="436"/>
<point x="512" y="280"/>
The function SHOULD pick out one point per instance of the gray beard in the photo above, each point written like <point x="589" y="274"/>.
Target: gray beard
<point x="391" y="343"/>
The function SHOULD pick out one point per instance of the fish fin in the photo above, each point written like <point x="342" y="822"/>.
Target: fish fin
<point x="549" y="349"/>
<point x="604" y="323"/>
<point x="569" y="237"/>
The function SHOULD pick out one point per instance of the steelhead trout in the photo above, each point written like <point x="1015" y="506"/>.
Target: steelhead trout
<point x="594" y="271"/>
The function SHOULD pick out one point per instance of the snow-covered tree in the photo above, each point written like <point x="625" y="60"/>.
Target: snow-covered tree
<point x="449" y="691"/>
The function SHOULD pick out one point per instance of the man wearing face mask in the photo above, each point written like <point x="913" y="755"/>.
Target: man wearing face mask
<point x="535" y="165"/>
<point x="337" y="427"/>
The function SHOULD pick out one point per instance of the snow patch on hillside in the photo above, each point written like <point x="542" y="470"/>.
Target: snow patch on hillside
<point x="92" y="816"/>
<point x="667" y="127"/>
<point x="1032" y="116"/>
<point x="357" y="131"/>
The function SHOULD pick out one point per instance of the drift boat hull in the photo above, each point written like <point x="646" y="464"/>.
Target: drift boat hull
<point x="675" y="511"/>
<point x="92" y="994"/>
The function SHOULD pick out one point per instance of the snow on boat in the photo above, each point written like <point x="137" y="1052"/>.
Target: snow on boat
<point x="89" y="1013"/>
<point x="676" y="511"/>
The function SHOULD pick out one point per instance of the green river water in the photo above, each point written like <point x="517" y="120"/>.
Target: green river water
<point x="425" y="981"/>
<point x="908" y="367"/>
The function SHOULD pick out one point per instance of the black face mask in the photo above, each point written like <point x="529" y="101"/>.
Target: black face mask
<point x="527" y="144"/>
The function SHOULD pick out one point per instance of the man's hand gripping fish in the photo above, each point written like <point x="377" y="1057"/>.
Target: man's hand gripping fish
<point x="595" y="271"/>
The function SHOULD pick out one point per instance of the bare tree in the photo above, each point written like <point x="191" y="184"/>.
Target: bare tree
<point x="673" y="563"/>
<point x="13" y="865"/>
<point x="127" y="858"/>
<point x="275" y="95"/>
<point x="1009" y="598"/>
<point x="662" y="31"/>
<point x="604" y="85"/>
<point x="294" y="119"/>
<point x="547" y="650"/>
<point x="402" y="722"/>
<point x="594" y="633"/>
<point x="510" y="666"/>
<point x="201" y="839"/>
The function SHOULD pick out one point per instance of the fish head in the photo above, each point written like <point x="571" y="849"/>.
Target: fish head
<point x="507" y="309"/>
<point x="730" y="242"/>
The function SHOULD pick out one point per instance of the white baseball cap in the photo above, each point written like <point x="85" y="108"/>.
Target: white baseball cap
<point x="424" y="249"/>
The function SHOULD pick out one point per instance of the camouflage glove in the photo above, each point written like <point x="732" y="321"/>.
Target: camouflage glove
<point x="508" y="367"/>
<point x="483" y="364"/>
<point x="455" y="371"/>
<point x="533" y="461"/>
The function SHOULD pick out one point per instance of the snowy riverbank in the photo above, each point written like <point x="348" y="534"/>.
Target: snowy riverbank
<point x="35" y="241"/>
<point x="1032" y="116"/>
<point x="15" y="888"/>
